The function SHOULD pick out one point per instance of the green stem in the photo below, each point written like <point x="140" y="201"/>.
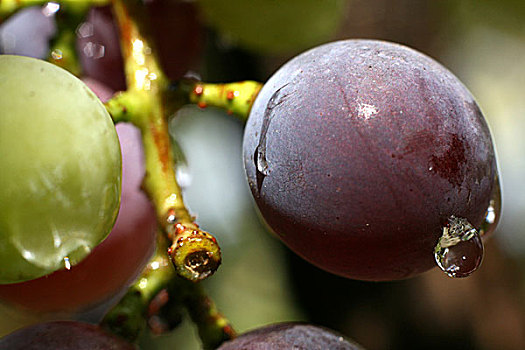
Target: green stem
<point x="125" y="105"/>
<point x="194" y="252"/>
<point x="212" y="326"/>
<point x="159" y="281"/>
<point x="236" y="98"/>
<point x="128" y="317"/>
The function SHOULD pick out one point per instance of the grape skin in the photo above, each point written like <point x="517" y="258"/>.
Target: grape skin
<point x="63" y="335"/>
<point x="98" y="47"/>
<point x="178" y="34"/>
<point x="114" y="263"/>
<point x="370" y="147"/>
<point x="290" y="336"/>
<point x="61" y="169"/>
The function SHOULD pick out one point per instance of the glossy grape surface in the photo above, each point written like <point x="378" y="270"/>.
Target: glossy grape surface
<point x="61" y="169"/>
<point x="285" y="336"/>
<point x="114" y="263"/>
<point x="275" y="26"/>
<point x="357" y="152"/>
<point x="63" y="335"/>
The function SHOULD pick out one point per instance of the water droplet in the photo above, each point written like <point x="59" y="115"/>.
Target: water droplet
<point x="67" y="264"/>
<point x="261" y="163"/>
<point x="172" y="218"/>
<point x="143" y="283"/>
<point x="57" y="54"/>
<point x="460" y="250"/>
<point x="182" y="169"/>
<point x="154" y="265"/>
<point x="183" y="176"/>
<point x="493" y="211"/>
<point x="50" y="9"/>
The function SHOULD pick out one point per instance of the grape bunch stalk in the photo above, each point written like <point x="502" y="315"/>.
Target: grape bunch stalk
<point x="367" y="158"/>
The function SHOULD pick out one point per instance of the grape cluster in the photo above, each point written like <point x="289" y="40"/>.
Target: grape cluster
<point x="366" y="158"/>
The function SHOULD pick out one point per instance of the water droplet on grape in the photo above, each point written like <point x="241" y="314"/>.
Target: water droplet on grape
<point x="260" y="161"/>
<point x="460" y="250"/>
<point x="67" y="263"/>
<point x="493" y="211"/>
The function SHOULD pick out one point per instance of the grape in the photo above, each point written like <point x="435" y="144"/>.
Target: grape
<point x="114" y="263"/>
<point x="275" y="26"/>
<point x="358" y="152"/>
<point x="178" y="34"/>
<point x="27" y="33"/>
<point x="61" y="169"/>
<point x="98" y="46"/>
<point x="290" y="336"/>
<point x="64" y="335"/>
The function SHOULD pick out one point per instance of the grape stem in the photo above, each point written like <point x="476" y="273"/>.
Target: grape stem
<point x="128" y="318"/>
<point x="159" y="294"/>
<point x="236" y="98"/>
<point x="194" y="252"/>
<point x="213" y="327"/>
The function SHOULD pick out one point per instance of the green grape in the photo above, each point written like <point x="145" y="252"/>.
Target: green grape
<point x="275" y="26"/>
<point x="60" y="177"/>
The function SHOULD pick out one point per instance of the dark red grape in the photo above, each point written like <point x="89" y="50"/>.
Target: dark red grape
<point x="63" y="335"/>
<point x="178" y="34"/>
<point x="98" y="47"/>
<point x="290" y="336"/>
<point x="358" y="152"/>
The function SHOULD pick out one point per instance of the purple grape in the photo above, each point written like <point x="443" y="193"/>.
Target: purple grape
<point x="63" y="335"/>
<point x="98" y="47"/>
<point x="27" y="33"/>
<point x="358" y="152"/>
<point x="290" y="336"/>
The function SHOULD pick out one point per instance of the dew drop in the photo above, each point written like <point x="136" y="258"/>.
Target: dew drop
<point x="67" y="263"/>
<point x="460" y="250"/>
<point x="493" y="211"/>
<point x="50" y="9"/>
<point x="183" y="175"/>
<point x="182" y="169"/>
<point x="261" y="162"/>
<point x="56" y="54"/>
